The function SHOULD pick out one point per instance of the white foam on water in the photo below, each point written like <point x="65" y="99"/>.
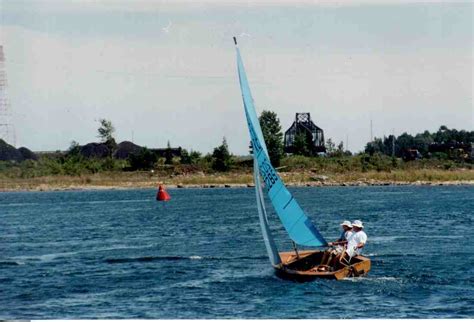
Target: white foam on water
<point x="20" y="204"/>
<point x="385" y="238"/>
<point x="94" y="202"/>
<point x="53" y="256"/>
<point x="118" y="247"/>
<point x="387" y="278"/>
<point x="443" y="237"/>
<point x="16" y="204"/>
<point x="45" y="257"/>
<point x="195" y="257"/>
<point x="376" y="279"/>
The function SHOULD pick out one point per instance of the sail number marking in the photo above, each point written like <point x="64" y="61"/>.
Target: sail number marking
<point x="268" y="174"/>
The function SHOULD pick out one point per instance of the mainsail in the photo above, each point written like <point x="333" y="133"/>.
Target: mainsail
<point x="298" y="226"/>
<point x="272" y="250"/>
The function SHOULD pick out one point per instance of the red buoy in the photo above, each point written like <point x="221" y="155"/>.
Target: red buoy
<point x="162" y="195"/>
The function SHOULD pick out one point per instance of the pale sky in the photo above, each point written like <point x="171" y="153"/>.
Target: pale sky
<point x="166" y="70"/>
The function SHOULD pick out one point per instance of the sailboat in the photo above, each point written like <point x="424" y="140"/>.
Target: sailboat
<point x="302" y="265"/>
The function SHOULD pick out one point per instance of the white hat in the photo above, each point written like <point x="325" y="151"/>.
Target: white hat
<point x="346" y="223"/>
<point x="357" y="223"/>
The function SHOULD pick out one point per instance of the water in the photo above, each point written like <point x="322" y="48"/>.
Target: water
<point x="120" y="254"/>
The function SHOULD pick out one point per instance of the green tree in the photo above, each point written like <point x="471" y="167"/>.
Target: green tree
<point x="190" y="157"/>
<point x="339" y="151"/>
<point x="403" y="143"/>
<point x="272" y="135"/>
<point x="221" y="158"/>
<point x="185" y="157"/>
<point x="74" y="149"/>
<point x="330" y="147"/>
<point x="422" y="142"/>
<point x="300" y="144"/>
<point x="106" y="130"/>
<point x="443" y="135"/>
<point x="389" y="144"/>
<point x="376" y="146"/>
<point x="340" y="147"/>
<point x="195" y="156"/>
<point x="168" y="154"/>
<point x="143" y="160"/>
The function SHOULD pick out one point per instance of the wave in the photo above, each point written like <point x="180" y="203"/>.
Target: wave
<point x="10" y="263"/>
<point x="385" y="238"/>
<point x="175" y="258"/>
<point x="147" y="259"/>
<point x="17" y="204"/>
<point x="375" y="279"/>
<point x="45" y="257"/>
<point x="54" y="256"/>
<point x="93" y="202"/>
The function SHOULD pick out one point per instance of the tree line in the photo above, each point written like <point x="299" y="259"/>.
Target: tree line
<point x="381" y="154"/>
<point x="442" y="144"/>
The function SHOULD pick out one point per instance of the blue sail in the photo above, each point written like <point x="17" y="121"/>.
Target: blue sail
<point x="270" y="245"/>
<point x="298" y="226"/>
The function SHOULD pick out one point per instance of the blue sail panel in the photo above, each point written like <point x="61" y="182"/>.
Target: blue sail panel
<point x="298" y="226"/>
<point x="270" y="245"/>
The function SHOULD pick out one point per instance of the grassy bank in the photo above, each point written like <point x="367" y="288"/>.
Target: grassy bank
<point x="106" y="180"/>
<point x="65" y="172"/>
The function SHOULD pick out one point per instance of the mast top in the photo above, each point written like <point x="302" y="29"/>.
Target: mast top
<point x="235" y="41"/>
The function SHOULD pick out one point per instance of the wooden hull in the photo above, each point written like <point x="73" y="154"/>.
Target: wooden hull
<point x="307" y="267"/>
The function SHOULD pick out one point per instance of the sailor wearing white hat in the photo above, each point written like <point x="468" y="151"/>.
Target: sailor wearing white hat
<point x="339" y="245"/>
<point x="357" y="240"/>
<point x="346" y="230"/>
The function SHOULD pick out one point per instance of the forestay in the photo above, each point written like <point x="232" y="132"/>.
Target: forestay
<point x="298" y="226"/>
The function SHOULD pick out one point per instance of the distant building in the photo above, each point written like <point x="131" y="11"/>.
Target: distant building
<point x="411" y="154"/>
<point x="303" y="124"/>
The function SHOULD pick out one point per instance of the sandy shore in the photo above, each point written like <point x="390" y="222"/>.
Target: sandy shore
<point x="148" y="185"/>
<point x="301" y="178"/>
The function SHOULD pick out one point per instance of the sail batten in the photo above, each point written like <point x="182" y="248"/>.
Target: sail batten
<point x="298" y="226"/>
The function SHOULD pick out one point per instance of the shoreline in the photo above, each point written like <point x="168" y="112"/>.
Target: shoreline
<point x="147" y="185"/>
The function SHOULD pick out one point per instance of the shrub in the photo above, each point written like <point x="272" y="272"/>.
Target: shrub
<point x="144" y="160"/>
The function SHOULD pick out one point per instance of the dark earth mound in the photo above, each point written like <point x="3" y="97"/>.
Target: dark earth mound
<point x="125" y="148"/>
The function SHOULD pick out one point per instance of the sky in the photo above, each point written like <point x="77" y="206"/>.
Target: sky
<point x="166" y="71"/>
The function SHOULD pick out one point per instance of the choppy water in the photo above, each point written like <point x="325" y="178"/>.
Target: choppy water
<point x="120" y="254"/>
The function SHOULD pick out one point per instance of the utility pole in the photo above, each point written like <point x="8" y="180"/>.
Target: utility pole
<point x="393" y="143"/>
<point x="7" y="131"/>
<point x="371" y="131"/>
